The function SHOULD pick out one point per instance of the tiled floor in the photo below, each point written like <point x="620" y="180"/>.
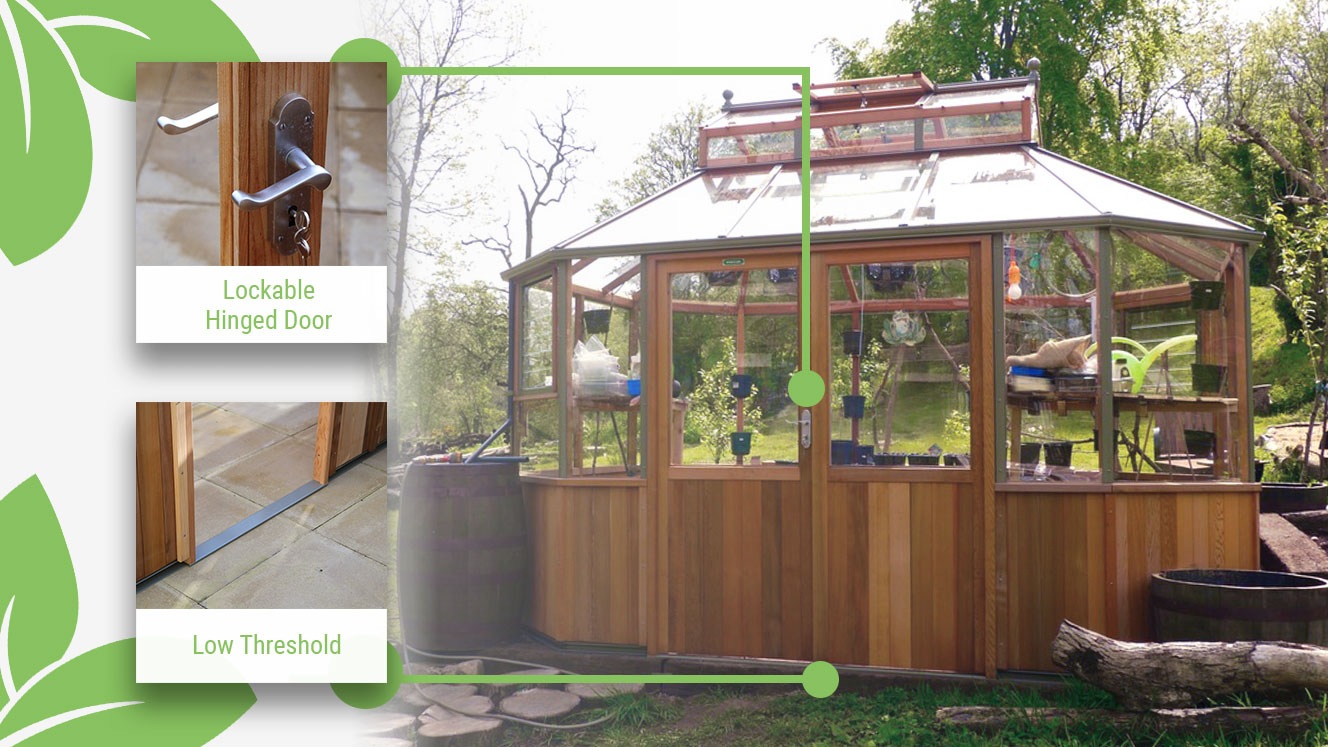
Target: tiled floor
<point x="328" y="551"/>
<point x="176" y="219"/>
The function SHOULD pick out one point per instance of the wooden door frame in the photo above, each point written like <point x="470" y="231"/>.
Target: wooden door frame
<point x="164" y="477"/>
<point x="246" y="94"/>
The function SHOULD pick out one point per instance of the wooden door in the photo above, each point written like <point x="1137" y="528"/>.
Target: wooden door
<point x="165" y="486"/>
<point x="246" y="94"/>
<point x="345" y="431"/>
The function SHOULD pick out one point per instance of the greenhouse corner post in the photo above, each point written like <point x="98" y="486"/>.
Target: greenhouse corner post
<point x="819" y="678"/>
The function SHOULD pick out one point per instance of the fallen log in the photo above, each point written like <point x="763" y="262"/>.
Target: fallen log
<point x="1144" y="676"/>
<point x="1270" y="719"/>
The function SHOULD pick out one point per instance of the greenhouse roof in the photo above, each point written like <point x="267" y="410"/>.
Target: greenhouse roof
<point x="931" y="166"/>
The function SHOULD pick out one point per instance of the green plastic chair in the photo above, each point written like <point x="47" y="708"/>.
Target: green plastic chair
<point x="1138" y="367"/>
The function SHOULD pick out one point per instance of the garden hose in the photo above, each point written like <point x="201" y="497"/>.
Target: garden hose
<point x="503" y="716"/>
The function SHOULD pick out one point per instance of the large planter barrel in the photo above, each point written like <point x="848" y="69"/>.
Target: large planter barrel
<point x="1223" y="605"/>
<point x="1290" y="497"/>
<point x="462" y="558"/>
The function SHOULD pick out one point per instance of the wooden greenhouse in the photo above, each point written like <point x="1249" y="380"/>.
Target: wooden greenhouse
<point x="952" y="498"/>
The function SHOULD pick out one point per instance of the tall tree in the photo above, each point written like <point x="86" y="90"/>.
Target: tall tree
<point x="672" y="154"/>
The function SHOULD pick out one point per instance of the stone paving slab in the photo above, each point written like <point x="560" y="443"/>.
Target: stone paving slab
<point x="314" y="572"/>
<point x="288" y="417"/>
<point x="150" y="79"/>
<point x="217" y="509"/>
<point x="344" y="490"/>
<point x="362" y="527"/>
<point x="161" y="596"/>
<point x="360" y="86"/>
<point x="363" y="239"/>
<point x="204" y="578"/>
<point x="221" y="437"/>
<point x="178" y="169"/>
<point x="271" y="473"/>
<point x="193" y="82"/>
<point x="168" y="233"/>
<point x="362" y="161"/>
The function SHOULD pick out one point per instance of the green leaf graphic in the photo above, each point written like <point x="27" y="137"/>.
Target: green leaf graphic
<point x="108" y="38"/>
<point x="38" y="594"/>
<point x="45" y="142"/>
<point x="117" y="711"/>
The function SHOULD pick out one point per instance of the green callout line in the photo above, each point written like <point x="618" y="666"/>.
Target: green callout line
<point x="805" y="387"/>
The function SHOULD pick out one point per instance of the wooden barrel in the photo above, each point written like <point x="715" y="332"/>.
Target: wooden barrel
<point x="462" y="558"/>
<point x="1228" y="605"/>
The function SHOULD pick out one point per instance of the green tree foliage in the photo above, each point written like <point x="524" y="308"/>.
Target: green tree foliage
<point x="671" y="155"/>
<point x="712" y="410"/>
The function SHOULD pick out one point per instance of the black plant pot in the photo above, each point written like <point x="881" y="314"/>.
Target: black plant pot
<point x="1206" y="294"/>
<point x="1200" y="443"/>
<point x="863" y="453"/>
<point x="1029" y="453"/>
<point x="740" y="385"/>
<point x="889" y="460"/>
<point x="854" y="406"/>
<point x="596" y="320"/>
<point x="741" y="442"/>
<point x="879" y="277"/>
<point x="1286" y="497"/>
<point x="722" y="278"/>
<point x="853" y="341"/>
<point x="782" y="276"/>
<point x="1058" y="453"/>
<point x="1207" y="377"/>
<point x="953" y="460"/>
<point x="923" y="460"/>
<point x="1259" y="464"/>
<point x="841" y="451"/>
<point x="901" y="273"/>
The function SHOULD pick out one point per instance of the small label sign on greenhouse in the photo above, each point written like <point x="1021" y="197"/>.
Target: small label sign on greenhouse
<point x="733" y="261"/>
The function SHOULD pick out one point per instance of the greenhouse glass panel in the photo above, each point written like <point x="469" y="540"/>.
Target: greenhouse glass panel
<point x="536" y="311"/>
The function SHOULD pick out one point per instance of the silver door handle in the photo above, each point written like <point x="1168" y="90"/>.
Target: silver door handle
<point x="187" y="123"/>
<point x="307" y="174"/>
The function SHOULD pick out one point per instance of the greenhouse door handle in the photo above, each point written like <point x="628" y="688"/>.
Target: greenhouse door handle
<point x="805" y="426"/>
<point x="185" y="124"/>
<point x="293" y="175"/>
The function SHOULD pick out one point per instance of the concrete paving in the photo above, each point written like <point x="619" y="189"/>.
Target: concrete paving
<point x="176" y="217"/>
<point x="331" y="550"/>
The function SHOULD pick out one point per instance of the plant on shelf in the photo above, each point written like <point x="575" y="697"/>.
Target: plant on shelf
<point x="712" y="409"/>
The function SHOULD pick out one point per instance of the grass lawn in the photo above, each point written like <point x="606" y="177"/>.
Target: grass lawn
<point x="893" y="715"/>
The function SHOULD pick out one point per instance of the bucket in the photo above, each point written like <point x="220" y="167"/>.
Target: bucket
<point x="841" y="451"/>
<point x="741" y="442"/>
<point x="462" y="558"/>
<point x="596" y="320"/>
<point x="1206" y="294"/>
<point x="1229" y="605"/>
<point x="854" y="406"/>
<point x="852" y="341"/>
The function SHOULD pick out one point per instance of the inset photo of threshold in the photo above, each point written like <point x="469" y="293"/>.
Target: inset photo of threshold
<point x="261" y="505"/>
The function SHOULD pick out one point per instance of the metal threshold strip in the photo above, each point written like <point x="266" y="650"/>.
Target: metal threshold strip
<point x="257" y="518"/>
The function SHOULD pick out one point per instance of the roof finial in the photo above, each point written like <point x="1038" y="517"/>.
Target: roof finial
<point x="1034" y="65"/>
<point x="728" y="100"/>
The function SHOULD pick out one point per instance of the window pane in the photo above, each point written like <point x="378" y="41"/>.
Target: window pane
<point x="537" y="335"/>
<point x="1051" y="382"/>
<point x="727" y="324"/>
<point x="606" y="380"/>
<point x="900" y="363"/>
<point x="537" y="433"/>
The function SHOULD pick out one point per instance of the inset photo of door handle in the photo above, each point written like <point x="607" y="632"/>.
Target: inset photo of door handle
<point x="307" y="174"/>
<point x="189" y="122"/>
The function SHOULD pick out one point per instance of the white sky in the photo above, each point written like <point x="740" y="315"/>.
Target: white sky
<point x="620" y="112"/>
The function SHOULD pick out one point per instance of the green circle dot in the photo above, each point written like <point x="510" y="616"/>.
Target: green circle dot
<point x="806" y="388"/>
<point x="372" y="50"/>
<point x="372" y="694"/>
<point x="820" y="679"/>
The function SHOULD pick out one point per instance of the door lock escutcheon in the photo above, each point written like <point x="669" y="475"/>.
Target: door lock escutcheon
<point x="292" y="173"/>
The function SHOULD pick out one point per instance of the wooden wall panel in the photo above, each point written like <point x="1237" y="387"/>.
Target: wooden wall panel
<point x="739" y="568"/>
<point x="246" y="94"/>
<point x="164" y="491"/>
<point x="903" y="564"/>
<point x="345" y="431"/>
<point x="1088" y="557"/>
<point x="585" y="544"/>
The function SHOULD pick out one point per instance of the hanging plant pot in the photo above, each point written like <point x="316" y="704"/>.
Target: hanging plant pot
<point x="722" y="278"/>
<point x="863" y="453"/>
<point x="782" y="276"/>
<point x="1029" y="453"/>
<point x="1200" y="443"/>
<point x="741" y="442"/>
<point x="901" y="273"/>
<point x="924" y="460"/>
<point x="889" y="460"/>
<point x="1058" y="453"/>
<point x="740" y="385"/>
<point x="879" y="277"/>
<point x="1206" y="294"/>
<point x="852" y="341"/>
<point x="1207" y="377"/>
<point x="841" y="451"/>
<point x="854" y="406"/>
<point x="596" y="320"/>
